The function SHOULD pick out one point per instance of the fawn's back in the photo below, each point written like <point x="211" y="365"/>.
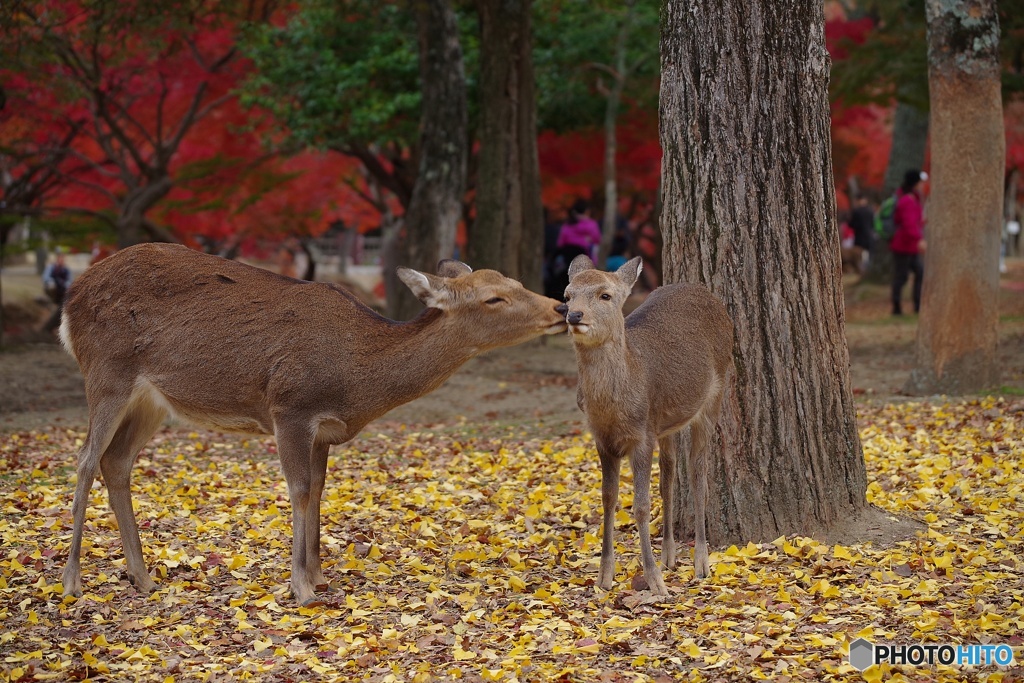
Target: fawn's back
<point x="684" y="335"/>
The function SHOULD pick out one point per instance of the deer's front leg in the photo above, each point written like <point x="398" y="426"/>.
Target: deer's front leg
<point x="609" y="499"/>
<point x="642" y="456"/>
<point x="318" y="475"/>
<point x="295" y="446"/>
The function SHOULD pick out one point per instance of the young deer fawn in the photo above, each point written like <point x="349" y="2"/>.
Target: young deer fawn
<point x="163" y="330"/>
<point x="642" y="379"/>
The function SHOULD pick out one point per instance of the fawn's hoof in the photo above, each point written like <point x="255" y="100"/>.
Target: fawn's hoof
<point x="143" y="584"/>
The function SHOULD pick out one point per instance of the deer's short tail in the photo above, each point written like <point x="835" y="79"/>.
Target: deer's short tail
<point x="65" y="333"/>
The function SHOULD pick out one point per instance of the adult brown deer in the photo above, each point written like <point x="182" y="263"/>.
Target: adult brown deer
<point x="641" y="380"/>
<point x="163" y="330"/>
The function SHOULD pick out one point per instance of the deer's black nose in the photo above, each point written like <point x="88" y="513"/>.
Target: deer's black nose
<point x="562" y="309"/>
<point x="575" y="317"/>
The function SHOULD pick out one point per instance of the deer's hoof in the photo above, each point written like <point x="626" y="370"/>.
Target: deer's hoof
<point x="143" y="584"/>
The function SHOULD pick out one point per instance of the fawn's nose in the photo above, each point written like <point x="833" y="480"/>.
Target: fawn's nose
<point x="562" y="309"/>
<point x="575" y="317"/>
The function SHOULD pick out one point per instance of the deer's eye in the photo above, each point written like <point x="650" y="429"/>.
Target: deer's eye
<point x="606" y="297"/>
<point x="495" y="300"/>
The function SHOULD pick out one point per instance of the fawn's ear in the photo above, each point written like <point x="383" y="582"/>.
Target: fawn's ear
<point x="630" y="271"/>
<point x="579" y="264"/>
<point x="429" y="289"/>
<point x="449" y="267"/>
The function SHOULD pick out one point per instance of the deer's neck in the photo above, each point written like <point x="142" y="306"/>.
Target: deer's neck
<point x="419" y="356"/>
<point x="606" y="373"/>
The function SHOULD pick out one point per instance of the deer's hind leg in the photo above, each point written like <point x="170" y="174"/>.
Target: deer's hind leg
<point x="141" y="420"/>
<point x="667" y="449"/>
<point x="702" y="430"/>
<point x="106" y="412"/>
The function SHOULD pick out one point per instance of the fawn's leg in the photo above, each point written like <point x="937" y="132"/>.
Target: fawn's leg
<point x="610" y="463"/>
<point x="137" y="428"/>
<point x="666" y="479"/>
<point x="643" y="454"/>
<point x="318" y="475"/>
<point x="295" y="447"/>
<point x="701" y="430"/>
<point x="105" y="414"/>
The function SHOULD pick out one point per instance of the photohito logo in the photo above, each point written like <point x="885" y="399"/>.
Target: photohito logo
<point x="864" y="653"/>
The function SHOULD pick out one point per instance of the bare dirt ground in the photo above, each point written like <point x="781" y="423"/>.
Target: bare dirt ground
<point x="533" y="386"/>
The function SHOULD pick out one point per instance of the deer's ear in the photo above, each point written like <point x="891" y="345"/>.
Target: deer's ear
<point x="429" y="289"/>
<point x="579" y="264"/>
<point x="630" y="271"/>
<point x="449" y="267"/>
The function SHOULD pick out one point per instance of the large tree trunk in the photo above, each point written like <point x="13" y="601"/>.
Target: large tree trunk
<point x="749" y="210"/>
<point x="508" y="231"/>
<point x="909" y="142"/>
<point x="958" y="329"/>
<point x="132" y="225"/>
<point x="436" y="203"/>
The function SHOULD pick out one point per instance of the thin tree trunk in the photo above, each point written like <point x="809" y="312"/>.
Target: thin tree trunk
<point x="434" y="209"/>
<point x="531" y="244"/>
<point x="909" y="142"/>
<point x="4" y="232"/>
<point x="959" y="325"/>
<point x="749" y="210"/>
<point x="611" y="118"/>
<point x="509" y="214"/>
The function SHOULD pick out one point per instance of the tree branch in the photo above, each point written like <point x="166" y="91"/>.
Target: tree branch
<point x="115" y="129"/>
<point x="166" y="151"/>
<point x="375" y="168"/>
<point x="84" y="212"/>
<point x="378" y="205"/>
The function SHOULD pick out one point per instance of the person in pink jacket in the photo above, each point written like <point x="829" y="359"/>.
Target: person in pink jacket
<point x="580" y="230"/>
<point x="908" y="240"/>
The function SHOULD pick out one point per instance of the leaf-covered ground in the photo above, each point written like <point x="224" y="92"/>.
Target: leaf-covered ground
<point x="474" y="558"/>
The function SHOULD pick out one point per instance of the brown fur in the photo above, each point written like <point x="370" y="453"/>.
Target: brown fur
<point x="641" y="380"/>
<point x="163" y="330"/>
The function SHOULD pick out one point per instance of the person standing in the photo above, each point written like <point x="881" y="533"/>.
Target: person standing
<point x="580" y="230"/>
<point x="56" y="280"/>
<point x="862" y="222"/>
<point x="908" y="240"/>
<point x="580" y="234"/>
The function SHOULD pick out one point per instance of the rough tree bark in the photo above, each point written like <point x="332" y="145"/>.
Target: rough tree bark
<point x="436" y="203"/>
<point x="958" y="329"/>
<point x="508" y="232"/>
<point x="749" y="210"/>
<point x="909" y="142"/>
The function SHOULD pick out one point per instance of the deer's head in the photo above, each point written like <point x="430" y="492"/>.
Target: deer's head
<point x="595" y="298"/>
<point x="493" y="310"/>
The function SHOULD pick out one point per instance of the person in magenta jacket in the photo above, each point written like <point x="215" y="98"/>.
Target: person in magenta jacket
<point x="908" y="240"/>
<point x="580" y="230"/>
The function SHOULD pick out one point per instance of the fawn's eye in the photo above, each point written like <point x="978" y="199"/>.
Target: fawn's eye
<point x="495" y="300"/>
<point x="606" y="297"/>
